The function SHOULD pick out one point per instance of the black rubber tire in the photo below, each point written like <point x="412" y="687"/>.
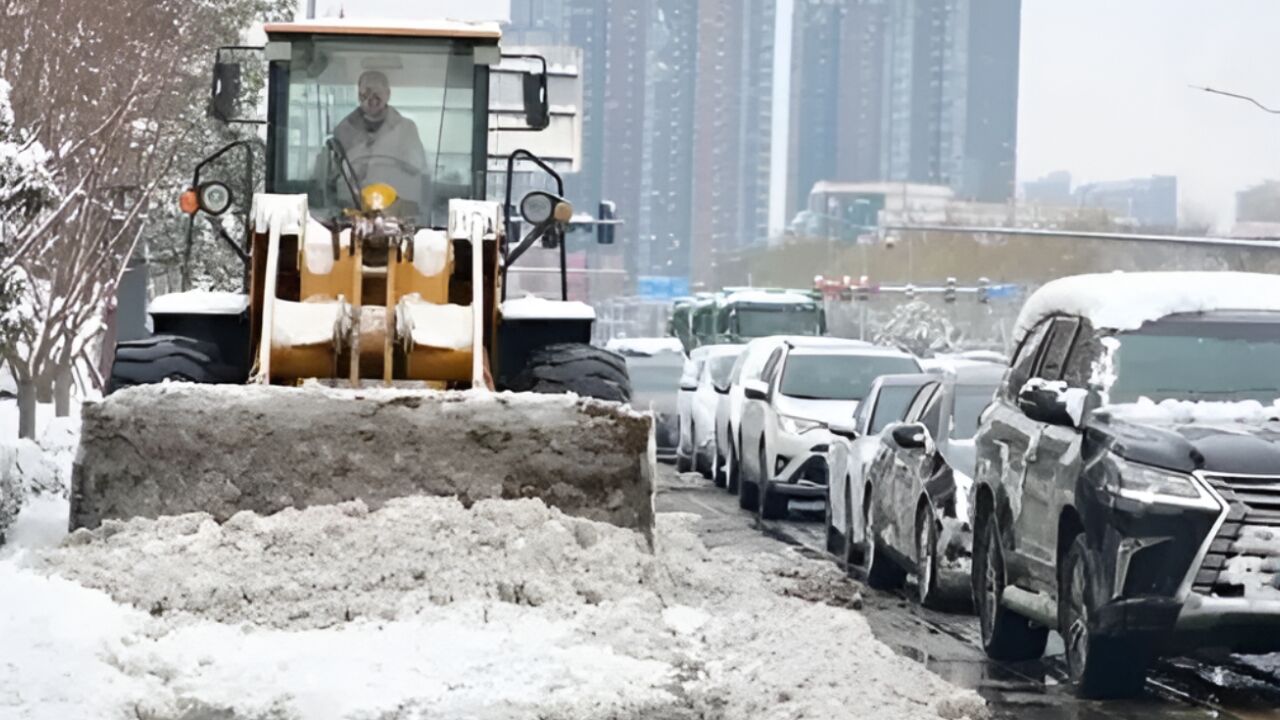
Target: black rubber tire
<point x="719" y="475"/>
<point x="835" y="540"/>
<point x="883" y="573"/>
<point x="683" y="463"/>
<point x="772" y="505"/>
<point x="586" y="370"/>
<point x="734" y="472"/>
<point x="159" y="358"/>
<point x="927" y="591"/>
<point x="748" y="492"/>
<point x="854" y="554"/>
<point x="1006" y="635"/>
<point x="1100" y="668"/>
<point x="699" y="462"/>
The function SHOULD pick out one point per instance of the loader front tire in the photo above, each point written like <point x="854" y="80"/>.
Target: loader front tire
<point x="153" y="360"/>
<point x="586" y="370"/>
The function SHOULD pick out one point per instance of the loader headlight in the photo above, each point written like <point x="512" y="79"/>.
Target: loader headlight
<point x="378" y="196"/>
<point x="795" y="425"/>
<point x="214" y="197"/>
<point x="1147" y="484"/>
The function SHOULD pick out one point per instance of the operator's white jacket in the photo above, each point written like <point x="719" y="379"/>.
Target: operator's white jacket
<point x="391" y="154"/>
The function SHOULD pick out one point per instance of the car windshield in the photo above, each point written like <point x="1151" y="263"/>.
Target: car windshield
<point x="1199" y="360"/>
<point x="780" y="320"/>
<point x="970" y="401"/>
<point x="832" y="376"/>
<point x="400" y="114"/>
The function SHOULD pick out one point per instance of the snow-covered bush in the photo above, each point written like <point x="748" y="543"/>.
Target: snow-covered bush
<point x="919" y="329"/>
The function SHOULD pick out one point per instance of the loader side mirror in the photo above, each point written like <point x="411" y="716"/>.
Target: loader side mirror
<point x="605" y="228"/>
<point x="537" y="108"/>
<point x="225" y="91"/>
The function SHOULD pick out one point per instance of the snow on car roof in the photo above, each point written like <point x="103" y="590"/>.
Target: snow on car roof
<point x="703" y="352"/>
<point x="1124" y="301"/>
<point x="644" y="345"/>
<point x="854" y="347"/>
<point x="764" y="297"/>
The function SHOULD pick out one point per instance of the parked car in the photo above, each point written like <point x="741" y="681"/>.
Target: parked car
<point x="715" y="374"/>
<point x="655" y="376"/>
<point x="783" y="434"/>
<point x="916" y="498"/>
<point x="732" y="398"/>
<point x="1127" y="485"/>
<point x="853" y="446"/>
<point x="694" y="365"/>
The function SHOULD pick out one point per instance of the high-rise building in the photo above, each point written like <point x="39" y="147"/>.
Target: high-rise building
<point x="639" y="64"/>
<point x="1150" y="203"/>
<point x="922" y="91"/>
<point x="1052" y="189"/>
<point x="732" y="127"/>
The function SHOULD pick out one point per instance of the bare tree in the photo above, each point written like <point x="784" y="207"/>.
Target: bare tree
<point x="112" y="93"/>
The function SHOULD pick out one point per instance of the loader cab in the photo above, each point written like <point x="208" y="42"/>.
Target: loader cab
<point x="349" y="106"/>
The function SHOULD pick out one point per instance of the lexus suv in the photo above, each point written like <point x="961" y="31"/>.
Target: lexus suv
<point x="1127" y="482"/>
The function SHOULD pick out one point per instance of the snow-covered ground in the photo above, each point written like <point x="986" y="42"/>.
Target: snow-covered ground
<point x="427" y="609"/>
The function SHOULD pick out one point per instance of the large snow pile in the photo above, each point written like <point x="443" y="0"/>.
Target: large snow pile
<point x="426" y="609"/>
<point x="1124" y="301"/>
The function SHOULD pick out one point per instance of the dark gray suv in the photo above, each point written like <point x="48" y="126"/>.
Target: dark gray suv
<point x="1127" y="490"/>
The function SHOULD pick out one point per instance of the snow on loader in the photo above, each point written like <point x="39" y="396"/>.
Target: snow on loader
<point x="375" y="277"/>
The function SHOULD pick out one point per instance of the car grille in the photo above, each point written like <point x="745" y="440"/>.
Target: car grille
<point x="1245" y="553"/>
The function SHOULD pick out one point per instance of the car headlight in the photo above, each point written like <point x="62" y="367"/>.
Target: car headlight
<point x="1148" y="484"/>
<point x="795" y="425"/>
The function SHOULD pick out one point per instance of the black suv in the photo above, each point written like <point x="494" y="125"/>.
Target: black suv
<point x="1127" y="494"/>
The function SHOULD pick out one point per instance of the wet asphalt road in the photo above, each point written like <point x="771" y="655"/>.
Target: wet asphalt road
<point x="949" y="644"/>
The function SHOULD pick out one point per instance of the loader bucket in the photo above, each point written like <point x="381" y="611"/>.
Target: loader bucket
<point x="178" y="448"/>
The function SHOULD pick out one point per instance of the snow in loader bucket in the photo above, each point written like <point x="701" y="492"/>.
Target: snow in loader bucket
<point x="177" y="448"/>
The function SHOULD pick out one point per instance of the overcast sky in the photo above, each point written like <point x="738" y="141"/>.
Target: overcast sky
<point x="1104" y="88"/>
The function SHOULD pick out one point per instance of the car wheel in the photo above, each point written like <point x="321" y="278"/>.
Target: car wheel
<point x="748" y="492"/>
<point x="1006" y="635"/>
<point x="927" y="559"/>
<point x="719" y="477"/>
<point x="882" y="572"/>
<point x="732" y="472"/>
<point x="835" y="540"/>
<point x="854" y="554"/>
<point x="773" y="505"/>
<point x="683" y="462"/>
<point x="1099" y="667"/>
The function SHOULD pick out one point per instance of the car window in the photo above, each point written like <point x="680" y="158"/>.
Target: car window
<point x="1025" y="360"/>
<point x="1086" y="350"/>
<point x="771" y="367"/>
<point x="718" y="369"/>
<point x="737" y="368"/>
<point x="1062" y="334"/>
<point x="919" y="402"/>
<point x="890" y="406"/>
<point x="970" y="401"/>
<point x="931" y="416"/>
<point x="863" y="412"/>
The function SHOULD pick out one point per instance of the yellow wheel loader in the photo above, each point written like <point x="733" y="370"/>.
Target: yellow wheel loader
<point x="373" y="353"/>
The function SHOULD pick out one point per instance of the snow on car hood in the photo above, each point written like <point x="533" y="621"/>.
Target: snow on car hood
<point x="826" y="411"/>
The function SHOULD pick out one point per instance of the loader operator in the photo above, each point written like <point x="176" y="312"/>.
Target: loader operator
<point x="383" y="146"/>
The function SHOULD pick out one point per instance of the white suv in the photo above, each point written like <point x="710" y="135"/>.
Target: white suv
<point x="803" y="386"/>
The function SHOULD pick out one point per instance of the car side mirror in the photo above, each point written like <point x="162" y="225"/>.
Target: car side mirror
<point x="225" y="92"/>
<point x="1052" y="402"/>
<point x="911" y="436"/>
<point x="756" y="390"/>
<point x="845" y="429"/>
